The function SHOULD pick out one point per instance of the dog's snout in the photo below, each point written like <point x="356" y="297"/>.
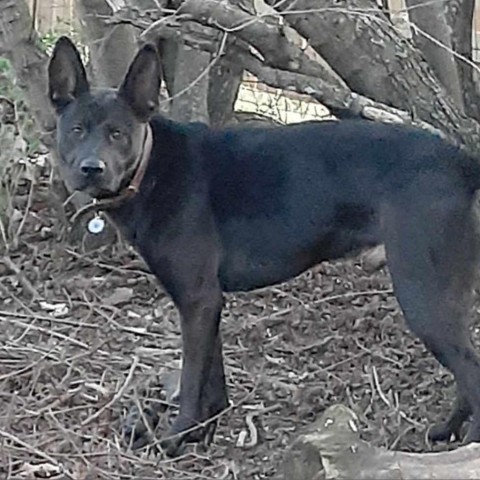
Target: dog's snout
<point x="92" y="167"/>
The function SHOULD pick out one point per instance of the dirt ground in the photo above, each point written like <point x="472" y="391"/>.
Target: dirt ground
<point x="85" y="335"/>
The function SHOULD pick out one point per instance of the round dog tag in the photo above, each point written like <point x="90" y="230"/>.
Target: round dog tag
<point x="96" y="225"/>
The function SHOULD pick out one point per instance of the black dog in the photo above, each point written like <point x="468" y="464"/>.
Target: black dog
<point x="238" y="209"/>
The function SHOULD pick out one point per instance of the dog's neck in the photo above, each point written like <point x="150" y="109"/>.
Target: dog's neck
<point x="133" y="186"/>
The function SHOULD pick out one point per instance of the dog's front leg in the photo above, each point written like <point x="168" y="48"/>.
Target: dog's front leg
<point x="199" y="299"/>
<point x="187" y="266"/>
<point x="202" y="358"/>
<point x="195" y="290"/>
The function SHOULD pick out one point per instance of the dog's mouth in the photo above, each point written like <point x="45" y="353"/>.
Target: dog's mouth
<point x="98" y="192"/>
<point x="95" y="188"/>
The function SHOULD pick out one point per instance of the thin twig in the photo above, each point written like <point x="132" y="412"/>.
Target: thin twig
<point x="7" y="261"/>
<point x="117" y="396"/>
<point x="35" y="451"/>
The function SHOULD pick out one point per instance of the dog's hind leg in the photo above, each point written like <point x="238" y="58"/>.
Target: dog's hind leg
<point x="432" y="251"/>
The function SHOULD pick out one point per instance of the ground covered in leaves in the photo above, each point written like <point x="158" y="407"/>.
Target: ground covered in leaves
<point x="87" y="333"/>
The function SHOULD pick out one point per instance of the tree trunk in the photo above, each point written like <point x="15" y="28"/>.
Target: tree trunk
<point x="20" y="45"/>
<point x="432" y="37"/>
<point x="167" y="50"/>
<point x="224" y="83"/>
<point x="111" y="47"/>
<point x="193" y="72"/>
<point x="225" y="79"/>
<point x="332" y="449"/>
<point x="191" y="83"/>
<point x="459" y="14"/>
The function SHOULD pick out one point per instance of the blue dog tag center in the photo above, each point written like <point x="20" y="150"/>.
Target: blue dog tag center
<point x="96" y="225"/>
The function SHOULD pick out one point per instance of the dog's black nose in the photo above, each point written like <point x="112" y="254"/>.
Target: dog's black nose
<point x="92" y="167"/>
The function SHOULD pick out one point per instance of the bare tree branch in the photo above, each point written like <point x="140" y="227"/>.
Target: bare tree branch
<point x="328" y="88"/>
<point x="339" y="101"/>
<point x="269" y="38"/>
<point x="355" y="37"/>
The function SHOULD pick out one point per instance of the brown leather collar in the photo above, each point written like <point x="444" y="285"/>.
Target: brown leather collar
<point x="132" y="189"/>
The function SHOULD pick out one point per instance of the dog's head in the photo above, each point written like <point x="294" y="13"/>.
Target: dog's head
<point x="101" y="133"/>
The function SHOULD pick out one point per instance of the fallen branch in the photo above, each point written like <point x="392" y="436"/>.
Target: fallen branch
<point x="333" y="450"/>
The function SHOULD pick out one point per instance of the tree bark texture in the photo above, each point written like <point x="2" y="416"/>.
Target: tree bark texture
<point x="224" y="83"/>
<point x="20" y="45"/>
<point x="433" y="38"/>
<point x="190" y="92"/>
<point x="459" y="14"/>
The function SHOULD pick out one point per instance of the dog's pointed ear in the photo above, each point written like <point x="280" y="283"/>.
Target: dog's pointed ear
<point x="67" y="79"/>
<point x="141" y="86"/>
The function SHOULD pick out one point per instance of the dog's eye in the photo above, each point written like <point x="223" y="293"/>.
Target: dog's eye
<point x="116" y="135"/>
<point x="77" y="130"/>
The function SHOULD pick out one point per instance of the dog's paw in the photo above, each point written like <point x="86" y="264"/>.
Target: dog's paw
<point x="444" y="432"/>
<point x="139" y="426"/>
<point x="187" y="431"/>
